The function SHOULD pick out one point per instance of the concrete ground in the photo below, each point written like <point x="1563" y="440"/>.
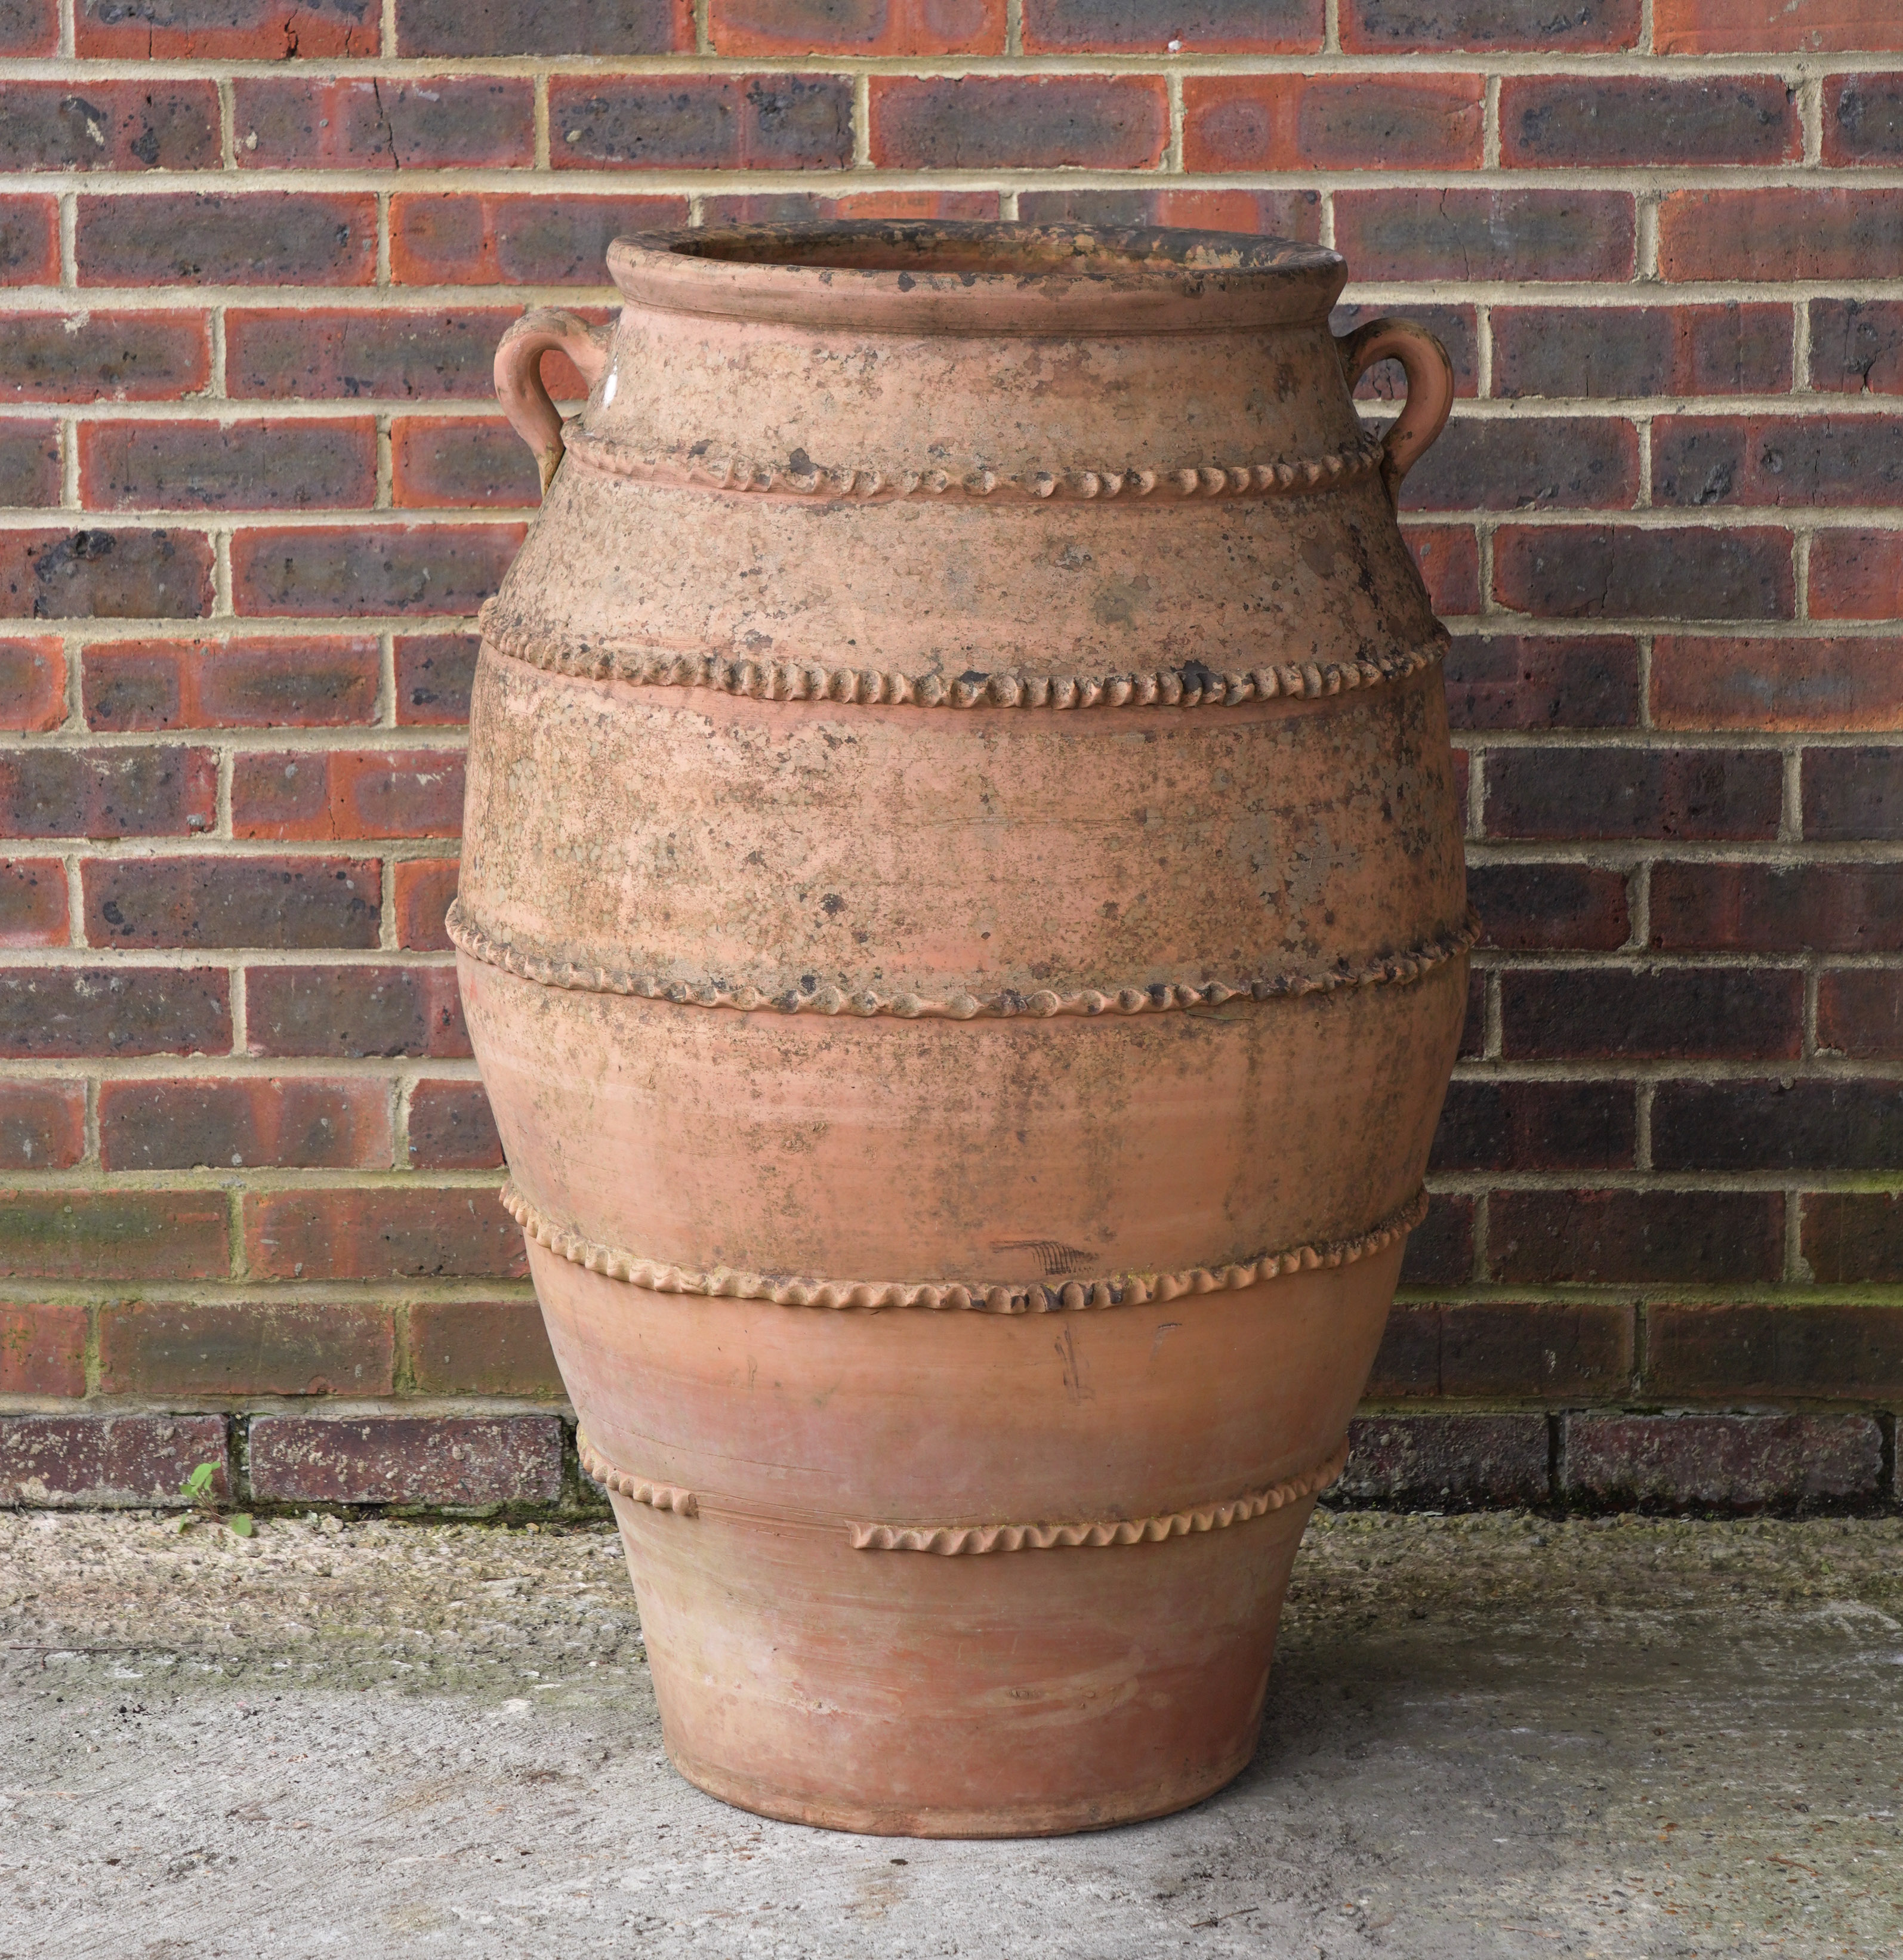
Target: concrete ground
<point x="1498" y="1736"/>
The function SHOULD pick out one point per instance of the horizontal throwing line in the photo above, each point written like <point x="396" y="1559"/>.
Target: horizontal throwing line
<point x="1020" y="1297"/>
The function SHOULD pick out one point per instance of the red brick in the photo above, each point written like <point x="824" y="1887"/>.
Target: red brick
<point x="1587" y="793"/>
<point x="1862" y="119"/>
<point x="434" y="672"/>
<point x="1635" y="1238"/>
<point x="451" y="1128"/>
<point x="256" y="238"/>
<point x="1454" y="326"/>
<point x="1273" y="213"/>
<point x="1852" y="795"/>
<point x="297" y="1122"/>
<point x="1736" y="348"/>
<point x="1834" y="684"/>
<point x="1832" y="908"/>
<point x="409" y="568"/>
<point x="424" y="887"/>
<point x="105" y="575"/>
<point x="1358" y="122"/>
<point x="1778" y="1125"/>
<point x="281" y="354"/>
<point x="1473" y="1030"/>
<point x="250" y="466"/>
<point x="563" y="27"/>
<point x="1853" y="1238"/>
<point x="1814" y="461"/>
<point x="421" y="1460"/>
<point x="1440" y="1251"/>
<point x="226" y="30"/>
<point x="442" y="462"/>
<point x="1500" y="680"/>
<point x="805" y="206"/>
<point x="1550" y="907"/>
<point x="61" y="1013"/>
<point x="1449" y="1462"/>
<point x="1856" y="574"/>
<point x="1485" y="234"/>
<point x="151" y="792"/>
<point x="301" y="683"/>
<point x="1777" y="232"/>
<point x="1506" y="1348"/>
<point x="1516" y="1125"/>
<point x="1448" y="556"/>
<point x="1588" y="121"/>
<point x="1774" y="26"/>
<point x="42" y="1350"/>
<point x="1720" y="1462"/>
<point x="248" y="1347"/>
<point x="1860" y="1012"/>
<point x="382" y="1232"/>
<point x="108" y="125"/>
<point x="543" y="238"/>
<point x="1856" y="346"/>
<point x="706" y="122"/>
<point x="1200" y="26"/>
<point x="1017" y="122"/>
<point x="117" y="357"/>
<point x="481" y="1347"/>
<point x="317" y="794"/>
<point x="1438" y="27"/>
<point x="29" y="466"/>
<point x="347" y="1012"/>
<point x="43" y="1125"/>
<point x="28" y="240"/>
<point x="33" y="685"/>
<point x="232" y="902"/>
<point x="114" y="1235"/>
<point x="1780" y="1352"/>
<point x="434" y="122"/>
<point x="88" y="1461"/>
<point x="1580" y="463"/>
<point x="1602" y="571"/>
<point x="1674" y="1013"/>
<point x="858" y="26"/>
<point x="28" y="27"/>
<point x="33" y="902"/>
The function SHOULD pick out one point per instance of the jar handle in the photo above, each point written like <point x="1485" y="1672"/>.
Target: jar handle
<point x="518" y="376"/>
<point x="1429" y="375"/>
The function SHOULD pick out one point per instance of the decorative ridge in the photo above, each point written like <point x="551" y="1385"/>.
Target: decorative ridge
<point x="1396" y="968"/>
<point x="662" y="1497"/>
<point x="1190" y="684"/>
<point x="694" y="468"/>
<point x="1020" y="1297"/>
<point x="952" y="1540"/>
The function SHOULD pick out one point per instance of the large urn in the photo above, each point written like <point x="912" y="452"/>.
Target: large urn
<point x="963" y="923"/>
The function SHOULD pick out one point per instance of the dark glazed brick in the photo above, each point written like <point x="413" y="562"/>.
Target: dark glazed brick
<point x="542" y="238"/>
<point x="29" y="465"/>
<point x="108" y="125"/>
<point x="262" y="238"/>
<point x="1199" y="26"/>
<point x="1762" y="684"/>
<point x="301" y="683"/>
<point x="1854" y="1238"/>
<point x="1499" y="680"/>
<point x="1664" y="1013"/>
<point x="43" y="1125"/>
<point x="1535" y="1126"/>
<point x="1577" y="120"/>
<point x="360" y="356"/>
<point x="451" y="1128"/>
<point x="285" y="466"/>
<point x="1816" y="461"/>
<point x="1473" y="1029"/>
<point x="1777" y="909"/>
<point x="305" y="795"/>
<point x="42" y="1350"/>
<point x="1734" y="348"/>
<point x="289" y="1122"/>
<point x="1614" y="793"/>
<point x="340" y="574"/>
<point x="1635" y="1238"/>
<point x="33" y="902"/>
<point x="757" y="123"/>
<point x="440" y="122"/>
<point x="1840" y="1353"/>
<point x="561" y="27"/>
<point x="1855" y="575"/>
<point x="1507" y="1349"/>
<point x="116" y="1235"/>
<point x="1754" y="27"/>
<point x="1720" y="1462"/>
<point x="858" y="26"/>
<point x="441" y="464"/>
<point x="260" y="1347"/>
<point x="233" y="902"/>
<point x="1602" y="572"/>
<point x="481" y="1347"/>
<point x="1360" y="121"/>
<point x="60" y="1013"/>
<point x="28" y="27"/>
<point x="1012" y="122"/>
<point x="347" y="1013"/>
<point x="1485" y="234"/>
<point x="424" y="887"/>
<point x="156" y="792"/>
<point x="1437" y="27"/>
<point x="1856" y="346"/>
<point x="226" y="30"/>
<point x="1440" y="1251"/>
<point x="434" y="672"/>
<point x="120" y="357"/>
<point x="90" y="1462"/>
<point x="1268" y="214"/>
<point x="28" y="240"/>
<point x="1863" y="119"/>
<point x="1861" y="1013"/>
<point x="1550" y="907"/>
<point x="454" y="1460"/>
<point x="102" y="575"/>
<point x="1454" y="326"/>
<point x="33" y="685"/>
<point x="1778" y="1125"/>
<point x="383" y="1232"/>
<point x="1777" y="233"/>
<point x="1583" y="463"/>
<point x="1850" y="794"/>
<point x="1448" y="558"/>
<point x="1451" y="1462"/>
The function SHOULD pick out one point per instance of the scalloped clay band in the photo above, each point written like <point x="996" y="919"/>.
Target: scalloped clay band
<point x="1393" y="969"/>
<point x="1019" y="1296"/>
<point x="956" y="1541"/>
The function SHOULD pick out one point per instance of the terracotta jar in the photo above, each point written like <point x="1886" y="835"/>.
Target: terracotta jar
<point x="963" y="922"/>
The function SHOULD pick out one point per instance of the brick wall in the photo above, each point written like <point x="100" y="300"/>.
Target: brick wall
<point x="257" y="254"/>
